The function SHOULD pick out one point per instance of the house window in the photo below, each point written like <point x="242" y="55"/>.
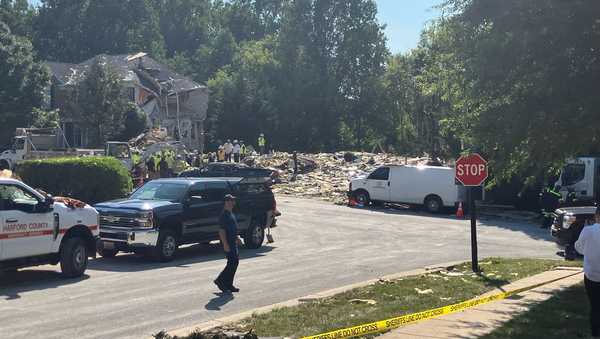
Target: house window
<point x="131" y="94"/>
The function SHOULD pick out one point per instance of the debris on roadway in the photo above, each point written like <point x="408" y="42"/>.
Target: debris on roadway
<point x="324" y="176"/>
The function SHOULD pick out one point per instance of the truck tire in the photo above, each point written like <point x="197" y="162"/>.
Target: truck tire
<point x="73" y="257"/>
<point x="104" y="253"/>
<point x="433" y="204"/>
<point x="166" y="247"/>
<point x="362" y="197"/>
<point x="255" y="235"/>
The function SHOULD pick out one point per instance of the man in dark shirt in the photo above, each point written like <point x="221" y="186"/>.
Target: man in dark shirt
<point x="230" y="240"/>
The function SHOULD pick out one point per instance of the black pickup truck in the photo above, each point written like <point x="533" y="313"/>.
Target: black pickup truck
<point x="567" y="225"/>
<point x="224" y="169"/>
<point x="166" y="213"/>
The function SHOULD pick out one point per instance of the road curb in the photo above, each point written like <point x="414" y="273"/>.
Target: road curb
<point x="212" y="324"/>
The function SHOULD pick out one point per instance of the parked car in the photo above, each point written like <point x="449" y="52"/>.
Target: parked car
<point x="220" y="169"/>
<point x="163" y="214"/>
<point x="431" y="186"/>
<point x="36" y="230"/>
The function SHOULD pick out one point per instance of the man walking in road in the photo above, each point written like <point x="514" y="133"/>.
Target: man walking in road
<point x="588" y="245"/>
<point x="230" y="240"/>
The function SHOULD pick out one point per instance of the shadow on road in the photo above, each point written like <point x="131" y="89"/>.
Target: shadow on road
<point x="185" y="256"/>
<point x="13" y="284"/>
<point x="530" y="229"/>
<point x="220" y="300"/>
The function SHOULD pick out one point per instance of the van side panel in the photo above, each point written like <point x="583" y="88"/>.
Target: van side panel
<point x="413" y="184"/>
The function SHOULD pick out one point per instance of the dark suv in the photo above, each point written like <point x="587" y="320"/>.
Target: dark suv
<point x="166" y="213"/>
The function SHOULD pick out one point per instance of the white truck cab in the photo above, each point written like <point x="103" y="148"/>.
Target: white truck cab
<point x="36" y="230"/>
<point x="581" y="178"/>
<point x="16" y="154"/>
<point x="431" y="186"/>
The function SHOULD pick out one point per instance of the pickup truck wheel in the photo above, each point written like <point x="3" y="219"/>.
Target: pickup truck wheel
<point x="104" y="253"/>
<point x="255" y="236"/>
<point x="166" y="247"/>
<point x="433" y="204"/>
<point x="73" y="258"/>
<point x="362" y="197"/>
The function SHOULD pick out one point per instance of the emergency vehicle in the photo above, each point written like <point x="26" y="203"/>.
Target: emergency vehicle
<point x="37" y="230"/>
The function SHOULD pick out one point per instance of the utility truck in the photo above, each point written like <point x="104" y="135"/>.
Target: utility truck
<point x="43" y="143"/>
<point x="37" y="230"/>
<point x="580" y="180"/>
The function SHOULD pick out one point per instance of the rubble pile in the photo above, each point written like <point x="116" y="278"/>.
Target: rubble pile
<point x="325" y="176"/>
<point x="150" y="137"/>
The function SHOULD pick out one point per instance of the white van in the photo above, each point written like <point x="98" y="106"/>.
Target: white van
<point x="431" y="186"/>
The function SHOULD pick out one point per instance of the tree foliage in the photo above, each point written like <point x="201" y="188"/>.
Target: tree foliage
<point x="99" y="102"/>
<point x="515" y="80"/>
<point x="23" y="83"/>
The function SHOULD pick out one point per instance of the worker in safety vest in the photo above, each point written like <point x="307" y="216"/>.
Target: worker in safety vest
<point x="242" y="150"/>
<point x="262" y="143"/>
<point x="549" y="202"/>
<point x="221" y="154"/>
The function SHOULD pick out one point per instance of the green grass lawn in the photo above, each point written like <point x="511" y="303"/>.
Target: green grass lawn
<point x="394" y="298"/>
<point x="565" y="315"/>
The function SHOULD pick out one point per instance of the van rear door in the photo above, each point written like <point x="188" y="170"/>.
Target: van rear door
<point x="378" y="184"/>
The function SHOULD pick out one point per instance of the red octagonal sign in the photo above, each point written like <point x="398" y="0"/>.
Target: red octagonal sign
<point x="471" y="170"/>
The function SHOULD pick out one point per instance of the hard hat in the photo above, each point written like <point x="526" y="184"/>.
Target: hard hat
<point x="235" y="141"/>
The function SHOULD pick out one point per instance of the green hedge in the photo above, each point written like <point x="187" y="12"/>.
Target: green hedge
<point x="90" y="179"/>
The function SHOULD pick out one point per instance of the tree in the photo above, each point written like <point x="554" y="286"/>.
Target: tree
<point x="23" y="84"/>
<point x="75" y="30"/>
<point x="99" y="103"/>
<point x="18" y="15"/>
<point x="531" y="70"/>
<point x="135" y="121"/>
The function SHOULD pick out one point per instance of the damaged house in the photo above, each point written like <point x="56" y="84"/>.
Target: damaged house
<point x="171" y="101"/>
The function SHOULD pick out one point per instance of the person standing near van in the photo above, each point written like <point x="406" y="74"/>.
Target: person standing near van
<point x="221" y="154"/>
<point x="228" y="234"/>
<point x="588" y="245"/>
<point x="228" y="150"/>
<point x="236" y="151"/>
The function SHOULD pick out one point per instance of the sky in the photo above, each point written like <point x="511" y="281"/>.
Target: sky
<point x="404" y="19"/>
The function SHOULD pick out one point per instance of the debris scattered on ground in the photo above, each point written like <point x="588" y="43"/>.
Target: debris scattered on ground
<point x="363" y="301"/>
<point x="215" y="334"/>
<point x="325" y="175"/>
<point x="420" y="291"/>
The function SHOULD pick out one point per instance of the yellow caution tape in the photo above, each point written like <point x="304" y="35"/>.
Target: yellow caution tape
<point x="388" y="324"/>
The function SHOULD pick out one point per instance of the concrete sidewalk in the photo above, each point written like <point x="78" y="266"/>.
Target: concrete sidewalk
<point x="480" y="320"/>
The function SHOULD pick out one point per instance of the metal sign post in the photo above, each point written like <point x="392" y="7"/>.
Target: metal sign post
<point x="471" y="171"/>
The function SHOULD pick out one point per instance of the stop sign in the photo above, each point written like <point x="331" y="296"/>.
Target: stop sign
<point x="471" y="170"/>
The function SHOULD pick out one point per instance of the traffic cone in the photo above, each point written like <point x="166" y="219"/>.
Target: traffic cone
<point x="459" y="212"/>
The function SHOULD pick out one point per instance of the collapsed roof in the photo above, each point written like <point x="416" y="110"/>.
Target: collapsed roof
<point x="137" y="68"/>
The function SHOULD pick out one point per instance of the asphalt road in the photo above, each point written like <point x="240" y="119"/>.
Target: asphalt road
<point x="318" y="246"/>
